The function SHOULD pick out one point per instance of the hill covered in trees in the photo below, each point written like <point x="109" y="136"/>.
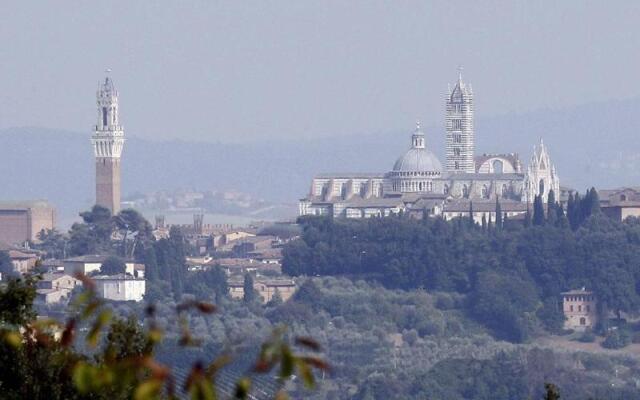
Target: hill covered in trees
<point x="511" y="274"/>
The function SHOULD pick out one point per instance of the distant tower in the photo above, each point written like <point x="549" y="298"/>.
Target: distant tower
<point x="160" y="222"/>
<point x="459" y="127"/>
<point x="108" y="141"/>
<point x="541" y="176"/>
<point x="198" y="226"/>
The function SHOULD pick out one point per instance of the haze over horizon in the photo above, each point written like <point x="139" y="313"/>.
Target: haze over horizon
<point x="242" y="72"/>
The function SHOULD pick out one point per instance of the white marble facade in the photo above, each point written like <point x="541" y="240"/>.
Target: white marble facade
<point x="418" y="174"/>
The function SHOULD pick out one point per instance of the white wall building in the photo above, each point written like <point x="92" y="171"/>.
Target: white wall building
<point x="120" y="287"/>
<point x="93" y="262"/>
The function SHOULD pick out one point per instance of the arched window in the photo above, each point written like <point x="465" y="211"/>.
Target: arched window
<point x="583" y="321"/>
<point x="421" y="187"/>
<point x="505" y="191"/>
<point x="465" y="191"/>
<point x="541" y="187"/>
<point x="498" y="167"/>
<point x="446" y="189"/>
<point x="104" y="116"/>
<point x="456" y="151"/>
<point x="623" y="197"/>
<point x="456" y="165"/>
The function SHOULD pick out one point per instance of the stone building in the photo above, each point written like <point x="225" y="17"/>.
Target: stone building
<point x="121" y="287"/>
<point x="108" y="141"/>
<point x="266" y="288"/>
<point x="22" y="262"/>
<point x="620" y="204"/>
<point x="53" y="288"/>
<point x="23" y="221"/>
<point x="579" y="308"/>
<point x="418" y="183"/>
<point x="483" y="210"/>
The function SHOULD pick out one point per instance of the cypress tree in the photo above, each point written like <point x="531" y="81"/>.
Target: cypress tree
<point x="551" y="208"/>
<point x="571" y="210"/>
<point x="527" y="218"/>
<point x="484" y="223"/>
<point x="471" y="221"/>
<point x="249" y="292"/>
<point x="577" y="211"/>
<point x="561" y="218"/>
<point x="538" y="211"/>
<point x="498" y="215"/>
<point x="594" y="201"/>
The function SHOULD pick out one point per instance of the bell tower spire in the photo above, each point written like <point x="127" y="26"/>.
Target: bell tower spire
<point x="108" y="142"/>
<point x="460" y="140"/>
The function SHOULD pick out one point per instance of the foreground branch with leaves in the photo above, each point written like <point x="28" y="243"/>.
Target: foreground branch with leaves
<point x="44" y="359"/>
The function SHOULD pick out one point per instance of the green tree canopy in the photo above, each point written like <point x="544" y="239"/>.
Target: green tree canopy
<point x="113" y="265"/>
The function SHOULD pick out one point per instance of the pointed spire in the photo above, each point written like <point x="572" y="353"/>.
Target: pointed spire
<point x="460" y="69"/>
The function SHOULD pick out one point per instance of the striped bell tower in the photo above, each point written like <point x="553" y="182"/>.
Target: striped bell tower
<point x="108" y="141"/>
<point x="460" y="141"/>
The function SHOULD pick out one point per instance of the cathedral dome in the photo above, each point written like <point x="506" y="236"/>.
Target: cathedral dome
<point x="418" y="160"/>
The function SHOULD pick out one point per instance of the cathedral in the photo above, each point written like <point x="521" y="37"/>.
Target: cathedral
<point x="418" y="183"/>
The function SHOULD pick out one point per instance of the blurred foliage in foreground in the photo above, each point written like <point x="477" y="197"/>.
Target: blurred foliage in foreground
<point x="98" y="356"/>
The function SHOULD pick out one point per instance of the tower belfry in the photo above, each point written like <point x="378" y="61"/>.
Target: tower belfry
<point x="108" y="141"/>
<point x="460" y="141"/>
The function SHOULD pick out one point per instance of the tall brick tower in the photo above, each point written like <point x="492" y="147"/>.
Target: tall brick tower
<point x="108" y="141"/>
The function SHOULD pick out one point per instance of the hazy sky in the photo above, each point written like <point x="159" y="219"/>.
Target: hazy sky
<point x="240" y="71"/>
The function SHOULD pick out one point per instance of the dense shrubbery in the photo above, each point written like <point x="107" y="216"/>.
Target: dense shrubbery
<point x="513" y="275"/>
<point x="617" y="339"/>
<point x="587" y="337"/>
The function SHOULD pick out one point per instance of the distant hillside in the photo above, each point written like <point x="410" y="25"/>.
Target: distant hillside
<point x="595" y="144"/>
